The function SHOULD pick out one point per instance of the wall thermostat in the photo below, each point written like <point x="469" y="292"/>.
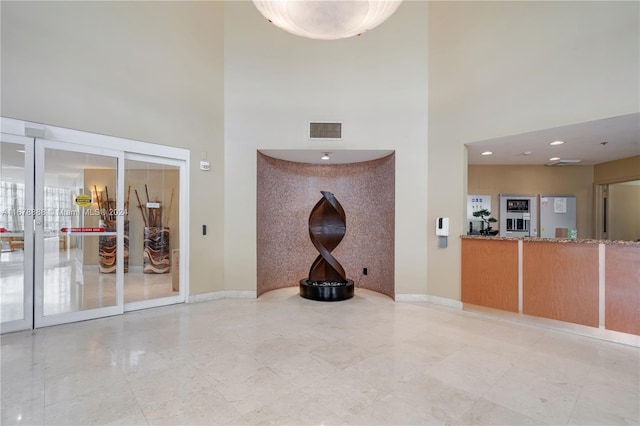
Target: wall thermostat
<point x="204" y="165"/>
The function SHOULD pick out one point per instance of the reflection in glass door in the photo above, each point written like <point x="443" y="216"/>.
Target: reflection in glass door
<point x="70" y="233"/>
<point x="16" y="233"/>
<point x="78" y="225"/>
<point x="152" y="232"/>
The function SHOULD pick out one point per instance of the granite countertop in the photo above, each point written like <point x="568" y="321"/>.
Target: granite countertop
<point x="551" y="240"/>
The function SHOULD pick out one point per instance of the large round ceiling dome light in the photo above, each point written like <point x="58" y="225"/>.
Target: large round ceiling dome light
<point x="326" y="19"/>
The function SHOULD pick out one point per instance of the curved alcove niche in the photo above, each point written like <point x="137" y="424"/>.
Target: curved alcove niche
<point x="288" y="190"/>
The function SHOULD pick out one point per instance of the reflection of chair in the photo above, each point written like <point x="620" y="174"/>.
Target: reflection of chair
<point x="16" y="243"/>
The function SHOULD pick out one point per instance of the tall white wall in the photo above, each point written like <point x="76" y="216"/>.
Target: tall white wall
<point x="376" y="84"/>
<point x="504" y="68"/>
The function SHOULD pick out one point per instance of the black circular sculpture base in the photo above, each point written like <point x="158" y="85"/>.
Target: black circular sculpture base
<point x="326" y="292"/>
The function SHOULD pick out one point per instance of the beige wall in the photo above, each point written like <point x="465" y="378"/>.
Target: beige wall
<point x="148" y="71"/>
<point x="276" y="83"/>
<point x="622" y="170"/>
<point x="505" y="68"/>
<point x="534" y="180"/>
<point x="624" y="211"/>
<point x="622" y="221"/>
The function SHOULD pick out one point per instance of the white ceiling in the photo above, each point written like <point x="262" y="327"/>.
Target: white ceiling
<point x="583" y="142"/>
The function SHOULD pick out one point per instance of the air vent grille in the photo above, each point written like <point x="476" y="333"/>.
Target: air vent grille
<point x="563" y="163"/>
<point x="331" y="130"/>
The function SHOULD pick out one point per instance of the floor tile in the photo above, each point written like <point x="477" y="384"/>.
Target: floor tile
<point x="541" y="398"/>
<point x="281" y="359"/>
<point x="109" y="405"/>
<point x="485" y="412"/>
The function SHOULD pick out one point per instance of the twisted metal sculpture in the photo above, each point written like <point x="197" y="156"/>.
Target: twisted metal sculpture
<point x="327" y="225"/>
<point x="327" y="278"/>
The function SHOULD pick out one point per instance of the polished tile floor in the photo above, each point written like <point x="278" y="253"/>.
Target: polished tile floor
<point x="70" y="286"/>
<point x="281" y="359"/>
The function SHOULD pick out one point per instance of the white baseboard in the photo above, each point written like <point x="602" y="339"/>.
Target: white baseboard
<point x="427" y="298"/>
<point x="411" y="298"/>
<point x="444" y="301"/>
<point x="225" y="294"/>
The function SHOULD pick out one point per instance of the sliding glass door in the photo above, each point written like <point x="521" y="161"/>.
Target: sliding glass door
<point x="153" y="232"/>
<point x="79" y="226"/>
<point x="87" y="231"/>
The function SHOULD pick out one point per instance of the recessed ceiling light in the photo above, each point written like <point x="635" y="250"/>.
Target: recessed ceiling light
<point x="527" y="153"/>
<point x="20" y="150"/>
<point x="556" y="143"/>
<point x="487" y="153"/>
<point x="554" y="158"/>
<point x="325" y="156"/>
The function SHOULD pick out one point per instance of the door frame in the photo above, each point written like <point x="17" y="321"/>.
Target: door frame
<point x="39" y="318"/>
<point x="181" y="297"/>
<point x="27" y="295"/>
<point x="601" y="216"/>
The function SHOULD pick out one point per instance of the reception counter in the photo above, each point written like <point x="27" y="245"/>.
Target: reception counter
<point x="590" y="282"/>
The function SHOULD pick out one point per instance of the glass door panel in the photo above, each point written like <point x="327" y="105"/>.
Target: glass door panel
<point x="16" y="233"/>
<point x="79" y="222"/>
<point x="153" y="232"/>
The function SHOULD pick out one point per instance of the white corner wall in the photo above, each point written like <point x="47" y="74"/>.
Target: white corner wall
<point x="376" y="84"/>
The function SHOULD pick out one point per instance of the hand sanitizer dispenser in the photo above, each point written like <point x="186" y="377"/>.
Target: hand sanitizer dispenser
<point x="442" y="231"/>
<point x="442" y="226"/>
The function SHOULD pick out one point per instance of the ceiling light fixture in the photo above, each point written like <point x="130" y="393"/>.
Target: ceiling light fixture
<point x="487" y="153"/>
<point x="21" y="151"/>
<point x="554" y="158"/>
<point x="325" y="156"/>
<point x="326" y="19"/>
<point x="527" y="153"/>
<point x="556" y="143"/>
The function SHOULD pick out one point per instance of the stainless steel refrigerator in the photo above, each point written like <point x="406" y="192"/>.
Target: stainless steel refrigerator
<point x="557" y="212"/>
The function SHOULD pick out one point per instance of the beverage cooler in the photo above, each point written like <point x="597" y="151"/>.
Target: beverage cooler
<point x="558" y="216"/>
<point x="518" y="215"/>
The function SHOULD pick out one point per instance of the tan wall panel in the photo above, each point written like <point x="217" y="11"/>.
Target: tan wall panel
<point x="624" y="212"/>
<point x="525" y="179"/>
<point x="561" y="281"/>
<point x="622" y="291"/>
<point x="622" y="170"/>
<point x="490" y="273"/>
<point x="148" y="71"/>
